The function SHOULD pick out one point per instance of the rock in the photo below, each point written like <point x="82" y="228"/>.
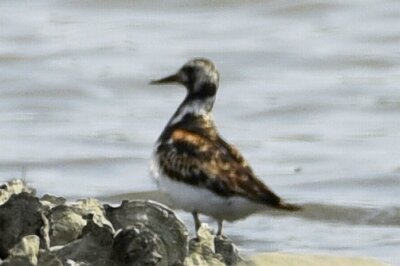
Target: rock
<point x="17" y="261"/>
<point x="20" y="216"/>
<point x="65" y="225"/>
<point x="149" y="216"/>
<point x="74" y="263"/>
<point x="24" y="253"/>
<point x="47" y="258"/>
<point x="68" y="221"/>
<point x="45" y="231"/>
<point x="82" y="233"/>
<point x="4" y="195"/>
<point x="12" y="187"/>
<point x="52" y="201"/>
<point x="227" y="249"/>
<point x="94" y="248"/>
<point x="137" y="245"/>
<point x="93" y="207"/>
<point x="202" y="249"/>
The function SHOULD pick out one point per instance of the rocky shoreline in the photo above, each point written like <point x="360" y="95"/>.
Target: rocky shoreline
<point x="50" y="231"/>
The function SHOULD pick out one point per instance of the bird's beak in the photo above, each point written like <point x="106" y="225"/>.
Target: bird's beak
<point x="170" y="79"/>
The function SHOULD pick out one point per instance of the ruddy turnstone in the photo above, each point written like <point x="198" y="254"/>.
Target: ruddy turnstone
<point x="195" y="166"/>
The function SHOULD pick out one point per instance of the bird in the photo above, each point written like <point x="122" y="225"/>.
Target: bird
<point x="198" y="169"/>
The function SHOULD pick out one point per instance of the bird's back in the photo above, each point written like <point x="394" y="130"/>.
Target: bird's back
<point x="193" y="152"/>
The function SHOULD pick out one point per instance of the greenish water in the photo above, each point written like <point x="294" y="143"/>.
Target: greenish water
<point x="309" y="93"/>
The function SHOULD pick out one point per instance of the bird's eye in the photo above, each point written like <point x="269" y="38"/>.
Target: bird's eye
<point x="187" y="74"/>
<point x="188" y="70"/>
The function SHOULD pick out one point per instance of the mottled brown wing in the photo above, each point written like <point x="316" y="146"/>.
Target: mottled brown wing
<point x="194" y="159"/>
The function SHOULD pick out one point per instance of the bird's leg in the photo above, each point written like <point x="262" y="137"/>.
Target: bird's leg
<point x="219" y="232"/>
<point x="197" y="222"/>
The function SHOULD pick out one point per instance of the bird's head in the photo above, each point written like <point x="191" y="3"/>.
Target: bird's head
<point x="199" y="76"/>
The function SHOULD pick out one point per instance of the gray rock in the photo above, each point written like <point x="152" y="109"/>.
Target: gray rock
<point x="17" y="261"/>
<point x="44" y="231"/>
<point x="93" y="207"/>
<point x="52" y="201"/>
<point x="24" y="253"/>
<point x="79" y="263"/>
<point x="12" y="187"/>
<point x="65" y="225"/>
<point x="202" y="249"/>
<point x="68" y="221"/>
<point x="82" y="233"/>
<point x="47" y="258"/>
<point x="136" y="246"/>
<point x="4" y="195"/>
<point x="94" y="248"/>
<point x="208" y="249"/>
<point x="20" y="216"/>
<point x="227" y="249"/>
<point x="150" y="216"/>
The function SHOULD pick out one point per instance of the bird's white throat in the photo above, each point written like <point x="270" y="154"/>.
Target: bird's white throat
<point x="195" y="107"/>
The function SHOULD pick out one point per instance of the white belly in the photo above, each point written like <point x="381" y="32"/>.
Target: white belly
<point x="191" y="198"/>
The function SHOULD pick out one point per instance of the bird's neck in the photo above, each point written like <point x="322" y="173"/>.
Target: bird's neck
<point x="194" y="107"/>
<point x="198" y="102"/>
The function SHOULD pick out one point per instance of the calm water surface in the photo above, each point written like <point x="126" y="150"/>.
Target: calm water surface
<point x="309" y="92"/>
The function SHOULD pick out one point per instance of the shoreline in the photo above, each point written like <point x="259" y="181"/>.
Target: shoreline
<point x="292" y="259"/>
<point x="265" y="257"/>
<point x="136" y="228"/>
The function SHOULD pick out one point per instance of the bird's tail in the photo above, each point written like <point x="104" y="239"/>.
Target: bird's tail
<point x="288" y="206"/>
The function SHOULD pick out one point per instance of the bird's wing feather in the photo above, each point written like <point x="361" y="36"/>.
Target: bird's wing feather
<point x="196" y="160"/>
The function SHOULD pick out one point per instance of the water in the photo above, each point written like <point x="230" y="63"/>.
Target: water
<point x="309" y="93"/>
